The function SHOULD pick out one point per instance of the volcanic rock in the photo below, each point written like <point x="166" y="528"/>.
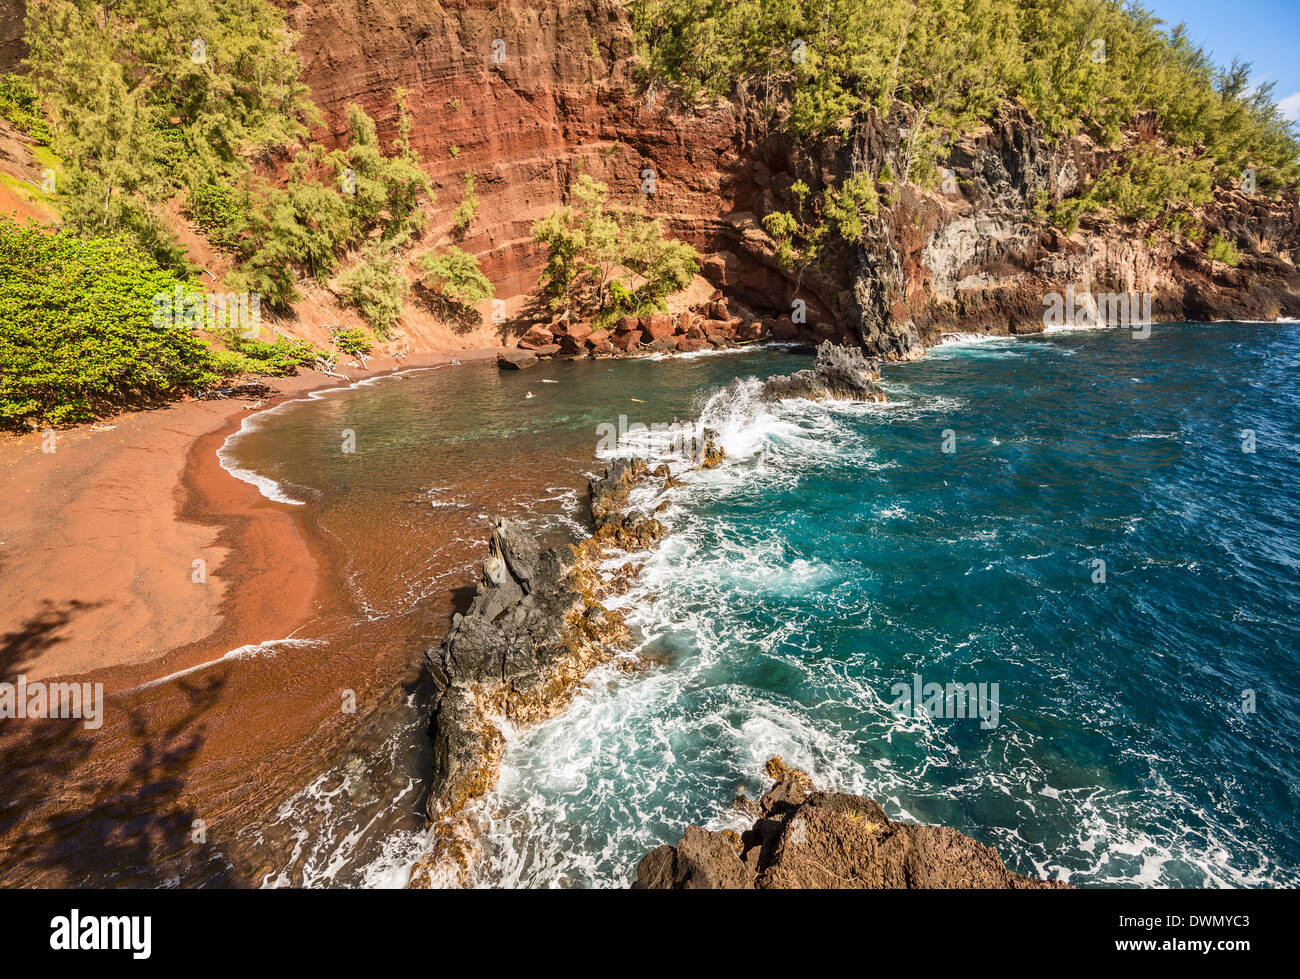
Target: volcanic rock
<point x="839" y="373"/>
<point x="537" y="336"/>
<point x="516" y="360"/>
<point x="809" y="839"/>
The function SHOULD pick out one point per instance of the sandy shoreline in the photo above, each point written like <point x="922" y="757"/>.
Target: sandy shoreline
<point x="98" y="542"/>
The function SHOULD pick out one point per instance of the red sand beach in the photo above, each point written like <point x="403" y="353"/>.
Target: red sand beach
<point x="97" y="544"/>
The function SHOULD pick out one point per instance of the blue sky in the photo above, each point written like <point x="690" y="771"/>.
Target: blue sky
<point x="1263" y="32"/>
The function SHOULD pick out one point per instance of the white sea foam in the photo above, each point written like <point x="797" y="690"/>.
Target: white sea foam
<point x="251" y="651"/>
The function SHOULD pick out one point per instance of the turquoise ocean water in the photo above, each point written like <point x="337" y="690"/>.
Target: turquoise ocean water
<point x="1098" y="542"/>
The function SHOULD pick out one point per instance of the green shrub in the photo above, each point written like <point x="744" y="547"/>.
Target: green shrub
<point x="353" y="341"/>
<point x="609" y="263"/>
<point x="1224" y="250"/>
<point x="278" y="357"/>
<point x="455" y="276"/>
<point x="375" y="288"/>
<point x="77" y="333"/>
<point x="219" y="214"/>
<point x="467" y="209"/>
<point x="18" y="104"/>
<point x="1151" y="184"/>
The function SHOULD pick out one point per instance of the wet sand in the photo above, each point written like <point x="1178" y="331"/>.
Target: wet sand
<point x="96" y="569"/>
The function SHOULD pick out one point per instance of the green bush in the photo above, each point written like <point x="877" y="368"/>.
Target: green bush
<point x="467" y="209"/>
<point x="219" y="213"/>
<point x="375" y="288"/>
<point x="18" y="104"/>
<point x="1224" y="250"/>
<point x="454" y="276"/>
<point x="610" y="264"/>
<point x="278" y="357"/>
<point x="353" y="341"/>
<point x="1150" y="184"/>
<point x="77" y="336"/>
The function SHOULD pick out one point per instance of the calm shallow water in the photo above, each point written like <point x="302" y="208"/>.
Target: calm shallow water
<point x="840" y="551"/>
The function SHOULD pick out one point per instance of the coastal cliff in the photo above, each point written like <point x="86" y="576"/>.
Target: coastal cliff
<point x="972" y="254"/>
<point x="504" y="107"/>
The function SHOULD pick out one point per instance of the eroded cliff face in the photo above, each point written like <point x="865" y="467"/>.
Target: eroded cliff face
<point x="12" y="49"/>
<point x="526" y="95"/>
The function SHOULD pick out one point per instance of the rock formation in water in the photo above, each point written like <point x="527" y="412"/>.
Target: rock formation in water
<point x="808" y="839"/>
<point x="838" y="373"/>
<point x="532" y="632"/>
<point x="535" y="628"/>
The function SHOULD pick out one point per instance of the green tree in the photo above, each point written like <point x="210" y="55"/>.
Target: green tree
<point x="609" y="263"/>
<point x="455" y="277"/>
<point x="376" y="288"/>
<point x="80" y="331"/>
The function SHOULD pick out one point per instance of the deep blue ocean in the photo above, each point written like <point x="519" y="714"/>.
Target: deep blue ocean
<point x="1112" y="539"/>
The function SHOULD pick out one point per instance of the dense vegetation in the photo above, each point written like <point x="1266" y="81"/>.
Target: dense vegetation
<point x="79" y="333"/>
<point x="146" y="102"/>
<point x="18" y="104"/>
<point x="454" y="278"/>
<point x="155" y="99"/>
<point x="1077" y="65"/>
<point x="609" y="264"/>
<point x="149" y="99"/>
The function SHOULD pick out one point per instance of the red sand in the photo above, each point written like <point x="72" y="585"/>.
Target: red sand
<point x="97" y="542"/>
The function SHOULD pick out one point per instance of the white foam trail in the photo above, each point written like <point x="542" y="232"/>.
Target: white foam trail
<point x="251" y="651"/>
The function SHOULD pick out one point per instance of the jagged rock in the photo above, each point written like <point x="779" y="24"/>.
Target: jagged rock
<point x="516" y="360"/>
<point x="609" y="492"/>
<point x="841" y="373"/>
<point x="808" y="839"/>
<point x="578" y="331"/>
<point x="657" y="326"/>
<point x="626" y="342"/>
<point x="528" y="636"/>
<point x="710" y="453"/>
<point x="537" y="336"/>
<point x="631" y="532"/>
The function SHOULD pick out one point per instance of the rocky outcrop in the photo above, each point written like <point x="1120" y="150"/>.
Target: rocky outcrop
<point x="803" y="838"/>
<point x="517" y="360"/>
<point x="535" y="628"/>
<point x="838" y="373"/>
<point x="532" y="632"/>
